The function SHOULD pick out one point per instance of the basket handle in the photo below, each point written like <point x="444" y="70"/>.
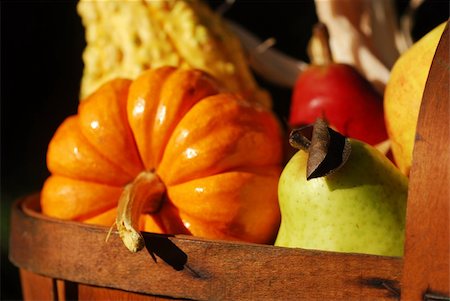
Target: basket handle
<point x="426" y="261"/>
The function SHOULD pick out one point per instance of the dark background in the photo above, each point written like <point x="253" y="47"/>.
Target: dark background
<point x="41" y="67"/>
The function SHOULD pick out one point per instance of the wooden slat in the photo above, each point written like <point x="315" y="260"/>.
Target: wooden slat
<point x="93" y="293"/>
<point x="426" y="261"/>
<point x="66" y="290"/>
<point x="194" y="268"/>
<point x="37" y="287"/>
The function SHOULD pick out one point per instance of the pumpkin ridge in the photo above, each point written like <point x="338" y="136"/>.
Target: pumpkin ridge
<point x="208" y="202"/>
<point x="195" y="139"/>
<point x="142" y="105"/>
<point x="100" y="154"/>
<point x="70" y="154"/>
<point x="261" y="170"/>
<point x="167" y="220"/>
<point x="104" y="122"/>
<point x="68" y="198"/>
<point x="181" y="91"/>
<point x="92" y="214"/>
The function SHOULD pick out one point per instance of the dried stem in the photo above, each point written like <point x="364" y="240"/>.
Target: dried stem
<point x="327" y="150"/>
<point x="146" y="191"/>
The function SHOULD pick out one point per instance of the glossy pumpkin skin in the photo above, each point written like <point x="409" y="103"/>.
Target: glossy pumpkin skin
<point x="218" y="157"/>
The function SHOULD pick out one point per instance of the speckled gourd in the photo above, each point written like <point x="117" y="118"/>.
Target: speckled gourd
<point x="124" y="38"/>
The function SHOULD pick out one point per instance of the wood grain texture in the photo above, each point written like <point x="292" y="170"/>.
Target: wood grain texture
<point x="37" y="287"/>
<point x="426" y="260"/>
<point x="93" y="293"/>
<point x="194" y="268"/>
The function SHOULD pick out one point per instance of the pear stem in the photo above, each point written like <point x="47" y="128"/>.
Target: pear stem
<point x="319" y="50"/>
<point x="327" y="150"/>
<point x="145" y="193"/>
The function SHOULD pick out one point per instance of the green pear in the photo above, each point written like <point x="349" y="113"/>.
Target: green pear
<point x="358" y="208"/>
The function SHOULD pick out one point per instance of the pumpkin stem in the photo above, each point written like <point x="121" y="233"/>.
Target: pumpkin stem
<point x="144" y="193"/>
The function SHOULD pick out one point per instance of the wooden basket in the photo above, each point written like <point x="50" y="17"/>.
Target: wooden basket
<point x="61" y="260"/>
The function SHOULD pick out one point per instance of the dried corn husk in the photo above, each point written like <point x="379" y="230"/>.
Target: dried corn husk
<point x="367" y="34"/>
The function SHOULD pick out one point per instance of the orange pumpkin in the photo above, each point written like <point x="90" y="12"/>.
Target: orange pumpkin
<point x="169" y="153"/>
